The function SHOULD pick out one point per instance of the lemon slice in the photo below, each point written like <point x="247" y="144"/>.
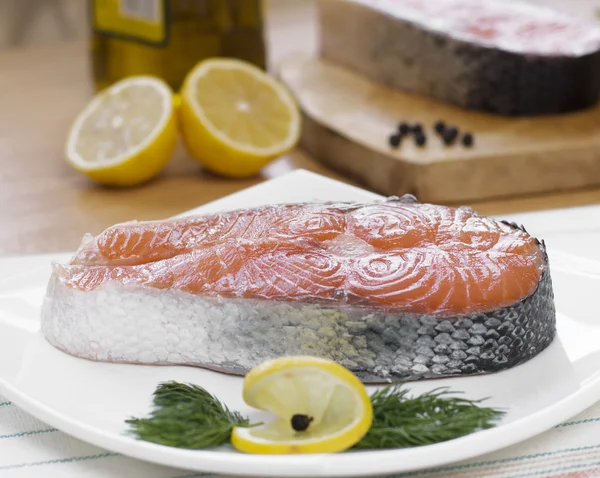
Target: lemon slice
<point x="126" y="134"/>
<point x="321" y="407"/>
<point x="235" y="118"/>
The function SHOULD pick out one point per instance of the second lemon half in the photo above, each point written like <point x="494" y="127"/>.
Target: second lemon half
<point x="235" y="118"/>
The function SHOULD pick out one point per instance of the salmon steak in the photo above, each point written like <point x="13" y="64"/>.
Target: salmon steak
<point x="510" y="58"/>
<point x="395" y="289"/>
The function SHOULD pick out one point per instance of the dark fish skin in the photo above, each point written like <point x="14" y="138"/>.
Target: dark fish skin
<point x="389" y="348"/>
<point x="383" y="348"/>
<point x="428" y="347"/>
<point x="517" y="85"/>
<point x="463" y="73"/>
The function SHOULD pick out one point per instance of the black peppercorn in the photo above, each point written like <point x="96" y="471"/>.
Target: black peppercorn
<point x="301" y="422"/>
<point x="404" y="128"/>
<point x="440" y="126"/>
<point x="420" y="139"/>
<point x="467" y="139"/>
<point x="417" y="128"/>
<point x="449" y="135"/>
<point x="395" y="140"/>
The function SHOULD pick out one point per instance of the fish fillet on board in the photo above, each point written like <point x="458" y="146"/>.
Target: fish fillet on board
<point x="504" y="57"/>
<point x="394" y="289"/>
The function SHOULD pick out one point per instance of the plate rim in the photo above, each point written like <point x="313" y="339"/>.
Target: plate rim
<point x="334" y="465"/>
<point x="339" y="465"/>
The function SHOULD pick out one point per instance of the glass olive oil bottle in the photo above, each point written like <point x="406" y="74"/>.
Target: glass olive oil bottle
<point x="166" y="38"/>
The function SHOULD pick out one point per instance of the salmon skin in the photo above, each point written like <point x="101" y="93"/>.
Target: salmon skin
<point x="391" y="290"/>
<point x="507" y="58"/>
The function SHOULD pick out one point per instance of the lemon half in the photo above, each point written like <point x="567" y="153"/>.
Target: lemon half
<point x="126" y="134"/>
<point x="321" y="407"/>
<point x="235" y="118"/>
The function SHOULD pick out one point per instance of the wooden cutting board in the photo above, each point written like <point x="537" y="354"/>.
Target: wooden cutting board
<point x="348" y="119"/>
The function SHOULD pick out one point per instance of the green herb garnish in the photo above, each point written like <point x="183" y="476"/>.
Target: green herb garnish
<point x="187" y="416"/>
<point x="400" y="421"/>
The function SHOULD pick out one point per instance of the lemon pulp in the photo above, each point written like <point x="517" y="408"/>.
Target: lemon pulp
<point x="126" y="134"/>
<point x="320" y="406"/>
<point x="235" y="118"/>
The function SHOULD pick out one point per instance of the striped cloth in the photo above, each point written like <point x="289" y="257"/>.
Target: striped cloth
<point x="30" y="449"/>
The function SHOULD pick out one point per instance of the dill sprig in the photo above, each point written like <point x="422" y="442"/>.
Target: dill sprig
<point x="401" y="421"/>
<point x="187" y="416"/>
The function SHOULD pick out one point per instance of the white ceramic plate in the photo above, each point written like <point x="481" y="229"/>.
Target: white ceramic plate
<point x="91" y="400"/>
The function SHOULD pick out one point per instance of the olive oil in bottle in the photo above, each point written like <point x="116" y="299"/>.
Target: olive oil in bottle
<point x="166" y="38"/>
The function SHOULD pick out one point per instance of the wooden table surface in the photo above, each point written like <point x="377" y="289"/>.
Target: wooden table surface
<point x="45" y="206"/>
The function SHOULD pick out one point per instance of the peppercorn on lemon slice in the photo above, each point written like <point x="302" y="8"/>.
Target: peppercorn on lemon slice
<point x="235" y="118"/>
<point x="320" y="407"/>
<point x="126" y="134"/>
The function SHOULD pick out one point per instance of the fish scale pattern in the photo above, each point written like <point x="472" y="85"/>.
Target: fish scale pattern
<point x="139" y="325"/>
<point x="427" y="347"/>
